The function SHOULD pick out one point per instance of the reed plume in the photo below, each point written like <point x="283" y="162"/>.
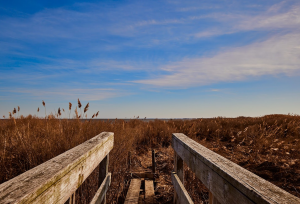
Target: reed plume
<point x="59" y="112"/>
<point x="262" y="138"/>
<point x="44" y="104"/>
<point x="86" y="107"/>
<point x="70" y="107"/>
<point x="76" y="113"/>
<point x="79" y="106"/>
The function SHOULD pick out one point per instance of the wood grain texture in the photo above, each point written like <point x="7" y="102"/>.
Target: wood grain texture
<point x="55" y="180"/>
<point x="182" y="195"/>
<point x="227" y="181"/>
<point x="133" y="192"/>
<point x="142" y="175"/>
<point x="103" y="171"/>
<point x="71" y="200"/>
<point x="100" y="194"/>
<point x="212" y="199"/>
<point x="179" y="170"/>
<point x="149" y="192"/>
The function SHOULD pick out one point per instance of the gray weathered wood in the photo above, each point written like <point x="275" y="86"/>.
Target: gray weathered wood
<point x="142" y="175"/>
<point x="227" y="181"/>
<point x="178" y="169"/>
<point x="103" y="170"/>
<point x="100" y="194"/>
<point x="212" y="199"/>
<point x="149" y="192"/>
<point x="182" y="195"/>
<point x="133" y="192"/>
<point x="55" y="180"/>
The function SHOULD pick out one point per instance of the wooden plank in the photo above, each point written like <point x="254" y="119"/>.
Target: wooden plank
<point x="143" y="175"/>
<point x="182" y="195"/>
<point x="133" y="192"/>
<point x="227" y="181"/>
<point x="100" y="194"/>
<point x="141" y="199"/>
<point x="178" y="167"/>
<point x="71" y="200"/>
<point x="55" y="180"/>
<point x="212" y="199"/>
<point x="179" y="170"/>
<point x="149" y="192"/>
<point x="103" y="170"/>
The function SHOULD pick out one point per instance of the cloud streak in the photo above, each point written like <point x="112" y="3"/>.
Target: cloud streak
<point x="278" y="54"/>
<point x="275" y="56"/>
<point x="90" y="94"/>
<point x="272" y="19"/>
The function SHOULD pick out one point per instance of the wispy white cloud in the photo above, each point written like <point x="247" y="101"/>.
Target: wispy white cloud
<point x="275" y="56"/>
<point x="91" y="94"/>
<point x="97" y="28"/>
<point x="272" y="19"/>
<point x="215" y="90"/>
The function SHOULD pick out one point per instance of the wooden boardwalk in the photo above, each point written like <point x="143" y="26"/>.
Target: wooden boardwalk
<point x="56" y="180"/>
<point x="141" y="189"/>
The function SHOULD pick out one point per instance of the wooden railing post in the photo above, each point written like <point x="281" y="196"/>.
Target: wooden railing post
<point x="178" y="169"/>
<point x="103" y="170"/>
<point x="153" y="161"/>
<point x="212" y="199"/>
<point x="71" y="200"/>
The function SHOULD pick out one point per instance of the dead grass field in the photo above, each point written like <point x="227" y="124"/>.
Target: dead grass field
<point x="268" y="146"/>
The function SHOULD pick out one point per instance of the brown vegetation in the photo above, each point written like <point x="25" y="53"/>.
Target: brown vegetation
<point x="269" y="146"/>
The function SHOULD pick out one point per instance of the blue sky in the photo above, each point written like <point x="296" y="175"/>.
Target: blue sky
<point x="154" y="59"/>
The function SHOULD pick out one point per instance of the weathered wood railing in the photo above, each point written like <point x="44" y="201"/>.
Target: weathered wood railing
<point x="56" y="180"/>
<point x="227" y="182"/>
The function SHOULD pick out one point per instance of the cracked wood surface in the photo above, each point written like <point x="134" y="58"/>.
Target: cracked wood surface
<point x="227" y="181"/>
<point x="57" y="179"/>
<point x="133" y="193"/>
<point x="149" y="192"/>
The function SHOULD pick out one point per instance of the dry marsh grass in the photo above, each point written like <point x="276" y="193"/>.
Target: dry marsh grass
<point x="268" y="146"/>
